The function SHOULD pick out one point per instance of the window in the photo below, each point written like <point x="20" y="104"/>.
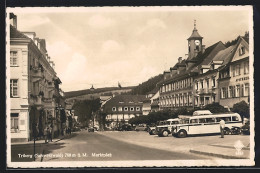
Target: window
<point x="132" y="109"/>
<point x="197" y="85"/>
<point x="242" y="90"/>
<point x="237" y="91"/>
<point x="242" y="50"/>
<point x="237" y="70"/>
<point x="246" y="67"/>
<point x="230" y="91"/>
<point x="194" y="121"/>
<point x="13" y="88"/>
<point x="223" y="93"/>
<point x="120" y="108"/>
<point x="114" y="109"/>
<point x="207" y="82"/>
<point x="137" y="108"/>
<point x="14" y="121"/>
<point x="246" y="93"/>
<point x="201" y="84"/>
<point x="234" y="118"/>
<point x="13" y="58"/>
<point x="125" y="108"/>
<point x="210" y="120"/>
<point x="202" y="120"/>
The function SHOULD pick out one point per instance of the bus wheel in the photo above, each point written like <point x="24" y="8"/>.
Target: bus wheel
<point x="165" y="133"/>
<point x="226" y="131"/>
<point x="182" y="134"/>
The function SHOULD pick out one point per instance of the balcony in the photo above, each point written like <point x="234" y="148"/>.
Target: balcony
<point x="37" y="74"/>
<point x="51" y="85"/>
<point x="36" y="100"/>
<point x="49" y="102"/>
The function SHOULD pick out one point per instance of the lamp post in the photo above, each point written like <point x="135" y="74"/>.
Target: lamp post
<point x="92" y="90"/>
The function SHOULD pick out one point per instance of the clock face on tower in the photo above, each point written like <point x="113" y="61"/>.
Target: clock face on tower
<point x="197" y="42"/>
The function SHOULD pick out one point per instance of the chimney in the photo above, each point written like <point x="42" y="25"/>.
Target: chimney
<point x="203" y="48"/>
<point x="14" y="20"/>
<point x="179" y="59"/>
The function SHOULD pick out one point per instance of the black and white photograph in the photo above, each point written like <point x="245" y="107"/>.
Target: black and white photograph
<point x="161" y="86"/>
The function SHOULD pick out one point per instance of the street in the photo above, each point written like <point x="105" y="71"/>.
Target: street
<point x="87" y="146"/>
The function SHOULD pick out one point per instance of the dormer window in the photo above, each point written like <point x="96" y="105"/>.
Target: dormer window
<point x="242" y="50"/>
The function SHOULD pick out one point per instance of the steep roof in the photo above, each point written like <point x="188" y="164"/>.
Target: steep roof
<point x="225" y="55"/>
<point x="195" y="34"/>
<point x="14" y="33"/>
<point x="124" y="100"/>
<point x="208" y="55"/>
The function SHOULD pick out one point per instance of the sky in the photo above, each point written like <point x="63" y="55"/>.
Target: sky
<point x="103" y="46"/>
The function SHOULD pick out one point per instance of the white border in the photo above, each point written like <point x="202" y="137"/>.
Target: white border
<point x="139" y="163"/>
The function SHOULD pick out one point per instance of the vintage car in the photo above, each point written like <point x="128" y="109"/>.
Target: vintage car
<point x="165" y="129"/>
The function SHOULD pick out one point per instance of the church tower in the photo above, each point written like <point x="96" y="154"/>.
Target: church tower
<point x="194" y="43"/>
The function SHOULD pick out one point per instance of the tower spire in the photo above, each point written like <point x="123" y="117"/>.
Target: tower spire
<point x="195" y="24"/>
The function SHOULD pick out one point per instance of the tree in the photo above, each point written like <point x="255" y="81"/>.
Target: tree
<point x="215" y="108"/>
<point x="242" y="108"/>
<point x="83" y="109"/>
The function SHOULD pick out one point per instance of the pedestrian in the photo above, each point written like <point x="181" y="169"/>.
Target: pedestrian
<point x="50" y="133"/>
<point x="45" y="133"/>
<point x="222" y="127"/>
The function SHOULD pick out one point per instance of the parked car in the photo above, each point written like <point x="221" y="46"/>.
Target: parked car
<point x="91" y="129"/>
<point x="165" y="129"/>
<point x="126" y="127"/>
<point x="75" y="129"/>
<point x="141" y="127"/>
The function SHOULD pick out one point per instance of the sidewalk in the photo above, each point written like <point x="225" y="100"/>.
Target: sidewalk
<point x="204" y="145"/>
<point x="224" y="150"/>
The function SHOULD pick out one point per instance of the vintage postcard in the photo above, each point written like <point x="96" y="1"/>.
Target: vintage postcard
<point x="130" y="86"/>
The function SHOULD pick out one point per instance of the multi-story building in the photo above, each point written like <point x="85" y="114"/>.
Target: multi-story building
<point x="121" y="108"/>
<point x="206" y="82"/>
<point x="176" y="90"/>
<point x="234" y="77"/>
<point x="34" y="85"/>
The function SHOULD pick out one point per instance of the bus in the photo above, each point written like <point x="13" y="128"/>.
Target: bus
<point x="206" y="124"/>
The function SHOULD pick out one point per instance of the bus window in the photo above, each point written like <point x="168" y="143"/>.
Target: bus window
<point x="175" y="122"/>
<point x="202" y="120"/>
<point x="194" y="121"/>
<point x="220" y="118"/>
<point x="234" y="118"/>
<point x="210" y="120"/>
<point x="227" y="119"/>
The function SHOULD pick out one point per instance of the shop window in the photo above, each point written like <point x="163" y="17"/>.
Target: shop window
<point x="246" y="67"/>
<point x="237" y="91"/>
<point x="14" y="122"/>
<point x="246" y="93"/>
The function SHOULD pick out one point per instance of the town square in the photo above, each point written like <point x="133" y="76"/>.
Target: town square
<point x="90" y="86"/>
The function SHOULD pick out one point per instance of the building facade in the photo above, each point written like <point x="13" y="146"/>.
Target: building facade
<point x="121" y="108"/>
<point x="234" y="78"/>
<point x="34" y="86"/>
<point x="177" y="88"/>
